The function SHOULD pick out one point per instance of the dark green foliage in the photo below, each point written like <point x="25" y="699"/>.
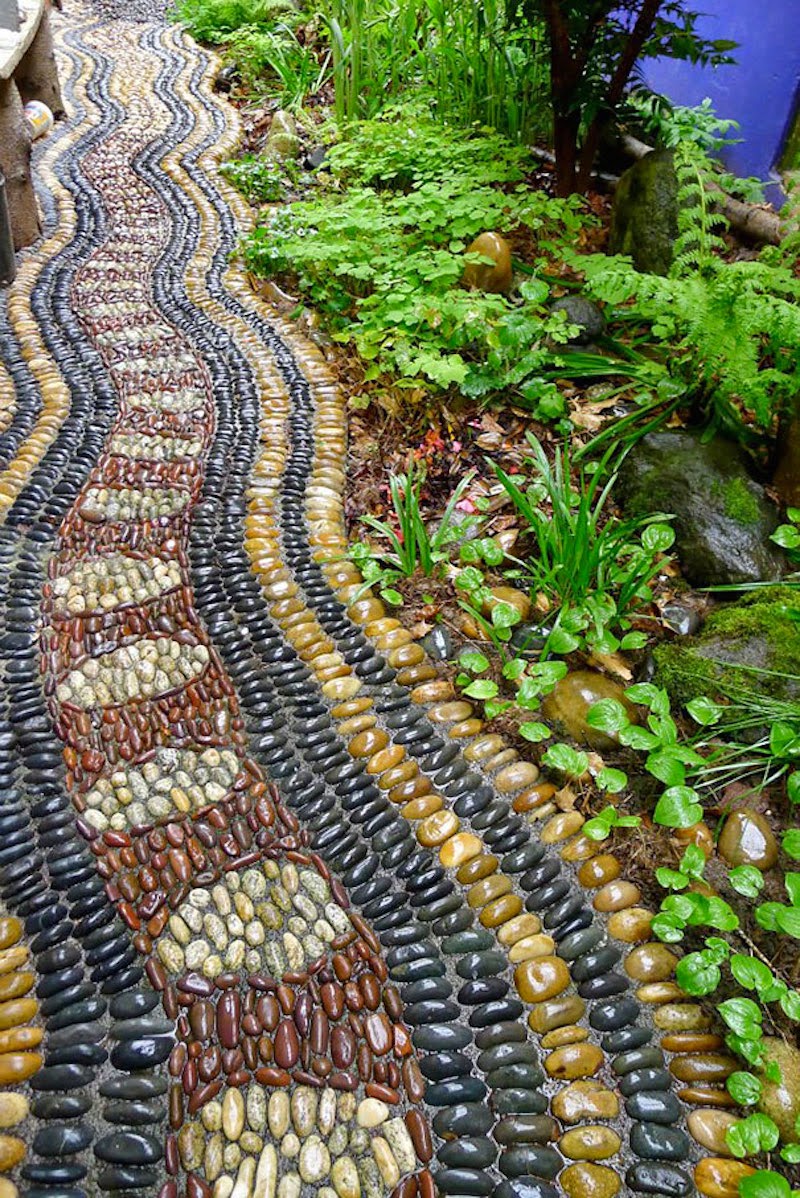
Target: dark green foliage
<point x="213" y="20"/>
<point x="384" y="265"/>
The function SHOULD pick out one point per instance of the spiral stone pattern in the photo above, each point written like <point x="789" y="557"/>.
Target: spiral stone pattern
<point x="277" y="914"/>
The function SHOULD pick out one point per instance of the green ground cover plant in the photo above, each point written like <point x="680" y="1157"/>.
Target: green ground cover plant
<point x="727" y="333"/>
<point x="384" y="261"/>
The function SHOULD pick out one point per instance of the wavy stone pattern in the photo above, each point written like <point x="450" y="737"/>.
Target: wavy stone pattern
<point x="278" y="915"/>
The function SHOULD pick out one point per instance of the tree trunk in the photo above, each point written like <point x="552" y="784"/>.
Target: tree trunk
<point x="37" y="74"/>
<point x="15" y="162"/>
<point x="565" y="144"/>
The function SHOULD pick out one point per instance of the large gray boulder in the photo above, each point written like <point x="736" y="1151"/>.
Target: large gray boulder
<point x="644" y="219"/>
<point x="723" y="519"/>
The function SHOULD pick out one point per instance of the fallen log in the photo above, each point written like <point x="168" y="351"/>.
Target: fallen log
<point x="752" y="220"/>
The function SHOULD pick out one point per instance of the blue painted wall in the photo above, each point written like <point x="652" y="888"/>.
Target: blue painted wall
<point x="760" y="91"/>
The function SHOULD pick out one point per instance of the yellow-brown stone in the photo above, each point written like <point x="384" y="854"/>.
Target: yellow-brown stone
<point x="465" y="728"/>
<point x="531" y="946"/>
<point x="706" y="1096"/>
<point x="716" y="1177"/>
<point x="398" y="774"/>
<point x="709" y="1126"/>
<point x="483" y="747"/>
<point x="500" y="910"/>
<point x="571" y="1034"/>
<point x="461" y="847"/>
<point x="8" y="1189"/>
<point x="579" y="849"/>
<point x="574" y="1060"/>
<point x="489" y="888"/>
<point x="450" y="713"/>
<point x="13" y="1109"/>
<point x="365" y="611"/>
<point x="415" y="675"/>
<point x="12" y="1151"/>
<point x="659" y="992"/>
<point x="437" y="828"/>
<point x="556" y="1012"/>
<point x="630" y="925"/>
<point x="10" y="931"/>
<point x="421" y="808"/>
<point x="516" y="775"/>
<point x="20" y="1039"/>
<point x="682" y="1017"/>
<point x="565" y="824"/>
<point x="585" y="1100"/>
<point x="406" y="655"/>
<point x="599" y="870"/>
<point x="14" y="985"/>
<point x="584" y="1180"/>
<point x="748" y="839"/>
<point x="17" y="1011"/>
<point x="533" y="798"/>
<point x="383" y="760"/>
<point x="702" y="1067"/>
<point x="413" y="788"/>
<point x="518" y="928"/>
<point x="541" y="978"/>
<point x="651" y="962"/>
<point x="433" y="692"/>
<point x="18" y="1067"/>
<point x="591" y="1143"/>
<point x="477" y="868"/>
<point x="692" y="1042"/>
<point x="369" y="742"/>
<point x="617" y="895"/>
<point x="13" y="958"/>
<point x="494" y="275"/>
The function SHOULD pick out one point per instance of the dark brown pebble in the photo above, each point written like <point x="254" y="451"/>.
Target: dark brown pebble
<point x="196" y="1187"/>
<point x="268" y="1076"/>
<point x="287" y="1045"/>
<point x="195" y="983"/>
<point x="175" y="1106"/>
<point x="413" y="1080"/>
<point x="319" y="1033"/>
<point x="171" y="1155"/>
<point x="210" y="1063"/>
<point x="201" y="1020"/>
<point x="228" y="1015"/>
<point x="420" y="1135"/>
<point x="268" y="1012"/>
<point x="384" y="1093"/>
<point x="177" y="1060"/>
<point x="204" y="1095"/>
<point x="406" y="1189"/>
<point x="343" y="1047"/>
<point x="302" y="1015"/>
<point x="343" y="1081"/>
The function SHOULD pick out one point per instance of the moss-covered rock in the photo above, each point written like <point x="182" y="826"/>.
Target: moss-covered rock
<point x="760" y="632"/>
<point x="723" y="519"/>
<point x="644" y="221"/>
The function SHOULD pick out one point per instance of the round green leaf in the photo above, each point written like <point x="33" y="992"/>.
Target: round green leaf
<point x="657" y="538"/>
<point x="608" y="715"/>
<point x="744" y="1088"/>
<point x="764" y="1184"/>
<point x="678" y="808"/>
<point x="697" y="975"/>
<point x="747" y="880"/>
<point x="533" y="731"/>
<point x="481" y="688"/>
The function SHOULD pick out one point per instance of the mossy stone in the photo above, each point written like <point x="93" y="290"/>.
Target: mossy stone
<point x="758" y="632"/>
<point x="781" y="1100"/>
<point x="723" y="519"/>
<point x="644" y="220"/>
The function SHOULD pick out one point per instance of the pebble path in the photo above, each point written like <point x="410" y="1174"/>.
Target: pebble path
<point x="278" y="915"/>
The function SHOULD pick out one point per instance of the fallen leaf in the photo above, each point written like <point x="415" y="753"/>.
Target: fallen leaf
<point x="565" y="799"/>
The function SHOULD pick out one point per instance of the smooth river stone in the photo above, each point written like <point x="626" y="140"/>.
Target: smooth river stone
<point x="461" y="847"/>
<point x="574" y="1060"/>
<point x="584" y="1180"/>
<point x="16" y="1012"/>
<point x="650" y="963"/>
<point x="585" y="1100"/>
<point x="10" y="931"/>
<point x="708" y="1127"/>
<point x="748" y="839"/>
<point x="541" y="978"/>
<point x="630" y="925"/>
<point x="18" y="1066"/>
<point x="702" y="1067"/>
<point x="716" y="1177"/>
<point x="12" y="1151"/>
<point x="437" y="828"/>
<point x="557" y="1012"/>
<point x="616" y="896"/>
<point x="597" y="871"/>
<point x="781" y="1100"/>
<point x="13" y="1109"/>
<point x="590" y="1143"/>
